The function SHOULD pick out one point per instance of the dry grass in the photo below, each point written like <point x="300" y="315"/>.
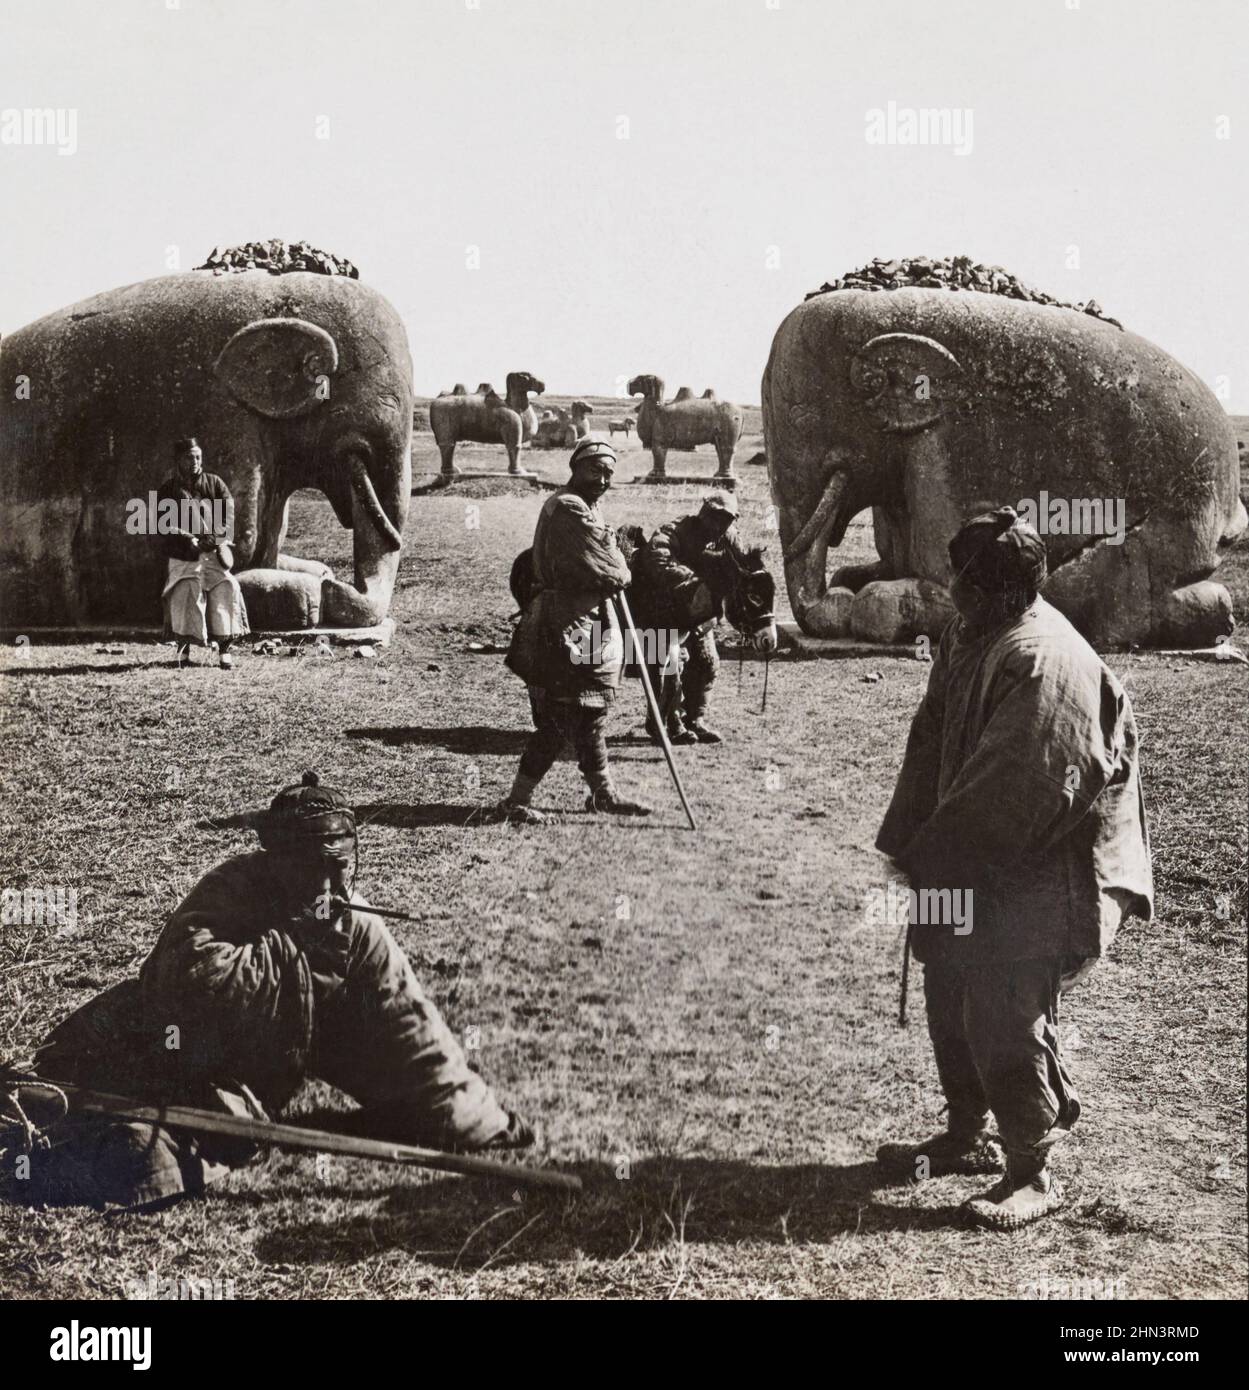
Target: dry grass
<point x="701" y="1025"/>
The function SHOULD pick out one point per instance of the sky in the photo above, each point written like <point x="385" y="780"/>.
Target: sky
<point x="590" y="189"/>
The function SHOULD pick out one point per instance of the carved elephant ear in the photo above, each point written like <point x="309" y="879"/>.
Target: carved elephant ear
<point x="908" y="381"/>
<point x="276" y="366"/>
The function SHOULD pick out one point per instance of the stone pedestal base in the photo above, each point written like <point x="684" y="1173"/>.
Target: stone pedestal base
<point x="790" y="635"/>
<point x="725" y="481"/>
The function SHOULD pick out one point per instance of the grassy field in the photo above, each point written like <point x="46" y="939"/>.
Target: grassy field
<point x="701" y="1025"/>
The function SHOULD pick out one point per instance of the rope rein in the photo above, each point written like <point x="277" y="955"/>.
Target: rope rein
<point x="13" y="1116"/>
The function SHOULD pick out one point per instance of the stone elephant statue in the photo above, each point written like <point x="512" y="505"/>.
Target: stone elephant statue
<point x="288" y="381"/>
<point x="683" y="423"/>
<point x="485" y="417"/>
<point x="929" y="406"/>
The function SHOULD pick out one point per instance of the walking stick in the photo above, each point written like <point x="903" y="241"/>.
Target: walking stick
<point x="660" y="723"/>
<point x="906" y="969"/>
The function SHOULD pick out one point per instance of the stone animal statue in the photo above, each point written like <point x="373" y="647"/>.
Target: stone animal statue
<point x="555" y="430"/>
<point x="485" y="417"/>
<point x="581" y="412"/>
<point x="684" y="423"/>
<point x="929" y="406"/>
<point x="625" y="425"/>
<point x="288" y="381"/>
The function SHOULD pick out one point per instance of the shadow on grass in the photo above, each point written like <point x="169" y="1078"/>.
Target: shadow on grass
<point x="662" y="1201"/>
<point x="84" y="670"/>
<point x="413" y="815"/>
<point x="477" y="739"/>
<point x="418" y="814"/>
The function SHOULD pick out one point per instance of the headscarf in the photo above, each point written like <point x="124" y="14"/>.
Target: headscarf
<point x="718" y="501"/>
<point x="998" y="551"/>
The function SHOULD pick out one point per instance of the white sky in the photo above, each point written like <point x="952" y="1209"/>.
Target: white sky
<point x="601" y="257"/>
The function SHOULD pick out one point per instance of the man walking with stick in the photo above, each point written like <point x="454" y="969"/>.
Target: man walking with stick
<point x="567" y="647"/>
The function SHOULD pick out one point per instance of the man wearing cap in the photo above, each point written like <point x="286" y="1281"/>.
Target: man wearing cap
<point x="1020" y="789"/>
<point x="672" y="564"/>
<point x="567" y="647"/>
<point x="270" y="972"/>
<point x="202" y="599"/>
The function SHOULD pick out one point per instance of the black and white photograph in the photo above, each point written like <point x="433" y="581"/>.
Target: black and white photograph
<point x="623" y="668"/>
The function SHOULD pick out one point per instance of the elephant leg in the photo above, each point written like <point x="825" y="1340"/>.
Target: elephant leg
<point x="855" y="577"/>
<point x="659" y="455"/>
<point x="298" y="566"/>
<point x="448" y="459"/>
<point x="1196" y="615"/>
<point x="900" y="610"/>
<point x="281" y="600"/>
<point x="1115" y="593"/>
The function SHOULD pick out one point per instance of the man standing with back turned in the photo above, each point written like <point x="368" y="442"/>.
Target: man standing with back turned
<point x="1020" y="784"/>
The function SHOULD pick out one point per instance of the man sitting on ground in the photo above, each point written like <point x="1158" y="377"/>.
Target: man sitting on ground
<point x="271" y="971"/>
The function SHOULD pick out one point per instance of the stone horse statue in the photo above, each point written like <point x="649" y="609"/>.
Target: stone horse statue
<point x="745" y="595"/>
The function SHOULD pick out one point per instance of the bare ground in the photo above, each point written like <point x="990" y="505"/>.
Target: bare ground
<point x="702" y="1025"/>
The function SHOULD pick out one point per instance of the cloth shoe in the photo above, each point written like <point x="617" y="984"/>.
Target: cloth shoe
<point x="945" y="1154"/>
<point x="1025" y="1194"/>
<point x="517" y="813"/>
<point x="606" y="801"/>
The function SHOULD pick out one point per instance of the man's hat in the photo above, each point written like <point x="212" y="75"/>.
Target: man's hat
<point x="999" y="550"/>
<point x="720" y="502"/>
<point x="591" y="448"/>
<point x="304" y="813"/>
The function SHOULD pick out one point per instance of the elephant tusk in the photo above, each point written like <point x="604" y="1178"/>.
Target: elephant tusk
<point x="819" y="519"/>
<point x="362" y="485"/>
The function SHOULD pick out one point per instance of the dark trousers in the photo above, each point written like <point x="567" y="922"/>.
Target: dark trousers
<point x="994" y="1031"/>
<point x="559" y="723"/>
<point x="699" y="674"/>
<point x="685" y="697"/>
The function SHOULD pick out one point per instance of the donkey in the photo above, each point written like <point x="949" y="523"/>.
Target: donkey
<point x="744" y="594"/>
